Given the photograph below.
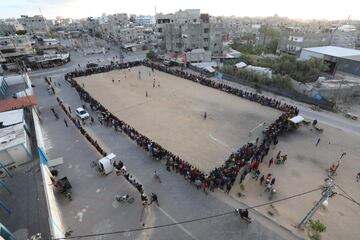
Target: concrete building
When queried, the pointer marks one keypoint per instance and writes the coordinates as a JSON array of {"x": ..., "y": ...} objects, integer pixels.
[
  {"x": 340, "y": 60},
  {"x": 15, "y": 46},
  {"x": 293, "y": 39},
  {"x": 35, "y": 24},
  {"x": 118, "y": 19},
  {"x": 344, "y": 36},
  {"x": 15, "y": 143},
  {"x": 6, "y": 28},
  {"x": 144, "y": 20},
  {"x": 186, "y": 30}
]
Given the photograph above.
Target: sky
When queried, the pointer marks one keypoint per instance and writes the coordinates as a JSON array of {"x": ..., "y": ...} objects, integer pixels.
[{"x": 300, "y": 9}]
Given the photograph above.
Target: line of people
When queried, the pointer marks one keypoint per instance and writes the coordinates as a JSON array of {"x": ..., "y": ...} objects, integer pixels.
[{"x": 244, "y": 160}]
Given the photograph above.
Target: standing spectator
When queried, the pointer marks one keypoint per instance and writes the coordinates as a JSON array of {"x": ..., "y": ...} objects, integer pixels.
[
  {"x": 271, "y": 162},
  {"x": 154, "y": 199},
  {"x": 272, "y": 181},
  {"x": 262, "y": 179}
]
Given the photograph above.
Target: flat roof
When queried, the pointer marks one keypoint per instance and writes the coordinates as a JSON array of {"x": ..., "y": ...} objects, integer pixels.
[
  {"x": 334, "y": 51},
  {"x": 12, "y": 136},
  {"x": 12, "y": 117}
]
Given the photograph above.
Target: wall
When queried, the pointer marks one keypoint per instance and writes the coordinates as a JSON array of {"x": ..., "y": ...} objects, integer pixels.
[
  {"x": 19, "y": 154},
  {"x": 5, "y": 158},
  {"x": 57, "y": 228}
]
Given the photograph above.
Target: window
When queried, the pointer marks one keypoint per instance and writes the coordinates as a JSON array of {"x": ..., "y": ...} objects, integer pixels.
[
  {"x": 206, "y": 39},
  {"x": 206, "y": 30}
]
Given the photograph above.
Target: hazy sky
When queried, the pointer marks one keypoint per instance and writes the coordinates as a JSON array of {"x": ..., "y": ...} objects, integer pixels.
[{"x": 305, "y": 9}]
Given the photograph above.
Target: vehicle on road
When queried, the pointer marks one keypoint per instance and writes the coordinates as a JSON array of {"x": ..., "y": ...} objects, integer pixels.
[
  {"x": 82, "y": 113},
  {"x": 124, "y": 198}
]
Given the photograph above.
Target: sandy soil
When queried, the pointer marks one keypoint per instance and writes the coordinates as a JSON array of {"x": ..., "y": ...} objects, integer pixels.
[
  {"x": 172, "y": 114},
  {"x": 305, "y": 169}
]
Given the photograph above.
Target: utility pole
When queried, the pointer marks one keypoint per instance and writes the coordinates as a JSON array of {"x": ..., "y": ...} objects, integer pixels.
[{"x": 327, "y": 193}]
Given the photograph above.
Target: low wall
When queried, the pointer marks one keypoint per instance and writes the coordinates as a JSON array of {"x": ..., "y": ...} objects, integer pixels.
[
  {"x": 323, "y": 103},
  {"x": 57, "y": 228}
]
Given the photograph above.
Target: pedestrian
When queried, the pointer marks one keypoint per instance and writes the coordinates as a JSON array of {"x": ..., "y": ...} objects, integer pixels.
[
  {"x": 144, "y": 199},
  {"x": 66, "y": 124},
  {"x": 112, "y": 80},
  {"x": 262, "y": 179},
  {"x": 284, "y": 158},
  {"x": 53, "y": 110},
  {"x": 358, "y": 177},
  {"x": 146, "y": 94},
  {"x": 92, "y": 120},
  {"x": 271, "y": 162},
  {"x": 268, "y": 187},
  {"x": 343, "y": 154},
  {"x": 83, "y": 85},
  {"x": 154, "y": 198},
  {"x": 317, "y": 143},
  {"x": 278, "y": 155},
  {"x": 205, "y": 116},
  {"x": 56, "y": 116},
  {"x": 69, "y": 109},
  {"x": 272, "y": 181},
  {"x": 228, "y": 188},
  {"x": 153, "y": 84}
]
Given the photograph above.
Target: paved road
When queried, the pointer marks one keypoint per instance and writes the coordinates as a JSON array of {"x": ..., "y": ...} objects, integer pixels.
[{"x": 179, "y": 200}]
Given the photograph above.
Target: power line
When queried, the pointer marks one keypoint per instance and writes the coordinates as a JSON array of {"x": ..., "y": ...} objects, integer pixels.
[
  {"x": 348, "y": 196},
  {"x": 185, "y": 221}
]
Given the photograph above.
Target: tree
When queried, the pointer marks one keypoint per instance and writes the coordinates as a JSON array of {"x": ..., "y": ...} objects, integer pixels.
[
  {"x": 151, "y": 54},
  {"x": 21, "y": 32},
  {"x": 316, "y": 228}
]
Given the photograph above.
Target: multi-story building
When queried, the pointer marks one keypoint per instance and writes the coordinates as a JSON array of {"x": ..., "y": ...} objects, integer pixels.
[
  {"x": 6, "y": 28},
  {"x": 344, "y": 36},
  {"x": 293, "y": 39},
  {"x": 35, "y": 24},
  {"x": 13, "y": 47},
  {"x": 118, "y": 19},
  {"x": 186, "y": 30},
  {"x": 144, "y": 20}
]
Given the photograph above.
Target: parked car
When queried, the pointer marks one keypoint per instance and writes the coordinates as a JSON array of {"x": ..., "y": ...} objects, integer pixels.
[{"x": 82, "y": 113}]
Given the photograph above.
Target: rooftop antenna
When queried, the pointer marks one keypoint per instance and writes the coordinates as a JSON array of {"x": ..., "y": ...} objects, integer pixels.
[{"x": 46, "y": 25}]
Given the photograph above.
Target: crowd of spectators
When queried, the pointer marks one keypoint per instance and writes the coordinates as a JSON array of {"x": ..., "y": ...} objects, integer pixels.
[{"x": 245, "y": 160}]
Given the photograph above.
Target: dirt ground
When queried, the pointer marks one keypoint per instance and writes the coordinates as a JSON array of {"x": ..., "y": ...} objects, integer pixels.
[
  {"x": 172, "y": 114},
  {"x": 305, "y": 169}
]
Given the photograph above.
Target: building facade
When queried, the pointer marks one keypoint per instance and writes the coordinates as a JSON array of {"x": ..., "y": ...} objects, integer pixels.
[
  {"x": 35, "y": 24},
  {"x": 293, "y": 39},
  {"x": 186, "y": 30},
  {"x": 13, "y": 47}
]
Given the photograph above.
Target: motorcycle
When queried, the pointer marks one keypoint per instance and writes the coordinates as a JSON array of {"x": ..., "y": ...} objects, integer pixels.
[
  {"x": 124, "y": 198},
  {"x": 244, "y": 214}
]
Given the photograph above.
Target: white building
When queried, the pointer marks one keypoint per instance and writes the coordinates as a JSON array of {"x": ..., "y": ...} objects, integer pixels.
[
  {"x": 15, "y": 143},
  {"x": 144, "y": 20}
]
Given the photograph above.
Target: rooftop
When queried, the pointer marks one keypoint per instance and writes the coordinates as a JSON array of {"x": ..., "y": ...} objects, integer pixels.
[{"x": 334, "y": 51}]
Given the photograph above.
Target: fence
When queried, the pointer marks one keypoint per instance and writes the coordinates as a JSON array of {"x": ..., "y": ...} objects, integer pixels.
[{"x": 323, "y": 103}]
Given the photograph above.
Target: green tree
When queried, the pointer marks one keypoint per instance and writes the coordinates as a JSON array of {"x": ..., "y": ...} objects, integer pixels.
[
  {"x": 316, "y": 228},
  {"x": 21, "y": 32},
  {"x": 151, "y": 54}
]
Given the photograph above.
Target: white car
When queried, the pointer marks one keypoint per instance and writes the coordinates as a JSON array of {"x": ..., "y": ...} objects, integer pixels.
[{"x": 82, "y": 113}]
